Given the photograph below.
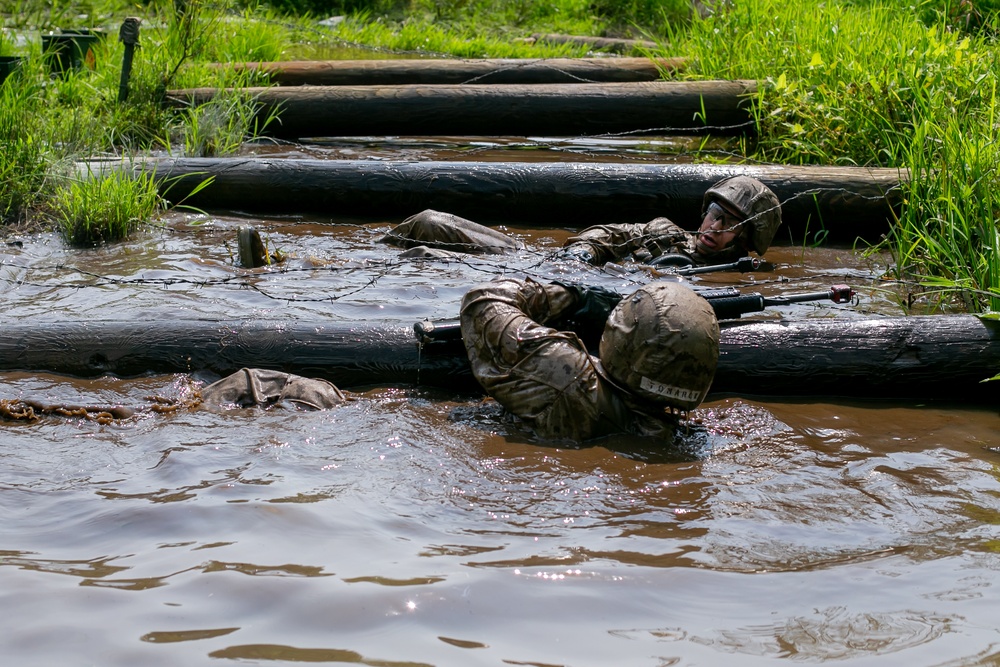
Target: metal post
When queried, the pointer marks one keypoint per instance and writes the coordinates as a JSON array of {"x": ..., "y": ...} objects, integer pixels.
[{"x": 129, "y": 35}]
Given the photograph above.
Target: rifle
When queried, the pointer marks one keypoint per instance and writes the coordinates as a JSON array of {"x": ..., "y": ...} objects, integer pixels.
[
  {"x": 681, "y": 265},
  {"x": 743, "y": 265},
  {"x": 727, "y": 302}
]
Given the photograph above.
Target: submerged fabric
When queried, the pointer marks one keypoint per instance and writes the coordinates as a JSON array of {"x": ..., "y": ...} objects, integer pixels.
[
  {"x": 254, "y": 386},
  {"x": 444, "y": 231}
]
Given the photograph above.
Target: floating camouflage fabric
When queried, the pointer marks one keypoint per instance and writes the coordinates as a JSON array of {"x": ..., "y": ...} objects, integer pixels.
[
  {"x": 443, "y": 231},
  {"x": 544, "y": 376},
  {"x": 255, "y": 386}
]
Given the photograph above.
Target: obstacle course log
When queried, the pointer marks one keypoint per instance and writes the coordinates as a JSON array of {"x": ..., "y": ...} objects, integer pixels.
[
  {"x": 556, "y": 109},
  {"x": 928, "y": 356},
  {"x": 924, "y": 357},
  {"x": 353, "y": 354},
  {"x": 602, "y": 43},
  {"x": 479, "y": 71},
  {"x": 851, "y": 202}
]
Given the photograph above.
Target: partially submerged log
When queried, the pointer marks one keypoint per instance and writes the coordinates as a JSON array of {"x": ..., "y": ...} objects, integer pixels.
[
  {"x": 477, "y": 71},
  {"x": 670, "y": 107},
  {"x": 920, "y": 357},
  {"x": 850, "y": 202}
]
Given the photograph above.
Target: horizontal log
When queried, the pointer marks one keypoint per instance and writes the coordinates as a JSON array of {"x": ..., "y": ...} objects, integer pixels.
[
  {"x": 396, "y": 72},
  {"x": 851, "y": 202},
  {"x": 617, "y": 45},
  {"x": 919, "y": 357},
  {"x": 556, "y": 109}
]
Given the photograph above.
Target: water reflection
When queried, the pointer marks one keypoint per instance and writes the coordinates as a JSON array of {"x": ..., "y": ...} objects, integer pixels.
[
  {"x": 295, "y": 654},
  {"x": 834, "y": 634},
  {"x": 340, "y": 271}
]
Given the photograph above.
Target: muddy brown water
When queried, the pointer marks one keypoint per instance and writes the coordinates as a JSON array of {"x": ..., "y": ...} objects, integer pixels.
[{"x": 415, "y": 526}]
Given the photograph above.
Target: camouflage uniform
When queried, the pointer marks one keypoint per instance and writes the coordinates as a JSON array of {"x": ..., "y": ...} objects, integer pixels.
[
  {"x": 434, "y": 234},
  {"x": 644, "y": 241},
  {"x": 255, "y": 386},
  {"x": 545, "y": 376},
  {"x": 746, "y": 198}
]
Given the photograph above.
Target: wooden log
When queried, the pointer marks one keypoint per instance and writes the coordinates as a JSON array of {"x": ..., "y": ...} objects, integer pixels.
[
  {"x": 920, "y": 357},
  {"x": 616, "y": 45},
  {"x": 931, "y": 356},
  {"x": 478, "y": 71},
  {"x": 851, "y": 202},
  {"x": 671, "y": 107},
  {"x": 352, "y": 354}
]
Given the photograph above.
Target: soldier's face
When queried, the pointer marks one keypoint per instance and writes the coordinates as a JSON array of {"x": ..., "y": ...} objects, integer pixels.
[{"x": 719, "y": 230}]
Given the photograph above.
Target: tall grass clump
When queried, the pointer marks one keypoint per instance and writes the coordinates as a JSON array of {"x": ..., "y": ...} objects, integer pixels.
[
  {"x": 24, "y": 153},
  {"x": 105, "y": 207},
  {"x": 49, "y": 122},
  {"x": 879, "y": 84},
  {"x": 841, "y": 83},
  {"x": 221, "y": 126},
  {"x": 947, "y": 241}
]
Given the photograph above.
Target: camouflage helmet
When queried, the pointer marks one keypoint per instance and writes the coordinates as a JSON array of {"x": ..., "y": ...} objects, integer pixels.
[
  {"x": 754, "y": 201},
  {"x": 661, "y": 343}
]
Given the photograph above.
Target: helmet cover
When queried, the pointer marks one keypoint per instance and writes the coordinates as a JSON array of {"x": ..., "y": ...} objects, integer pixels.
[
  {"x": 661, "y": 343},
  {"x": 752, "y": 200}
]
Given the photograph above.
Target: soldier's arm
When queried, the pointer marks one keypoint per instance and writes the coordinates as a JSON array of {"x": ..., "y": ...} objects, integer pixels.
[{"x": 612, "y": 243}]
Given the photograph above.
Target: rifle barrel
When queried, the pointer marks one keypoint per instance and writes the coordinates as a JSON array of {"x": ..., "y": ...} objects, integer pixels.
[
  {"x": 743, "y": 265},
  {"x": 727, "y": 302}
]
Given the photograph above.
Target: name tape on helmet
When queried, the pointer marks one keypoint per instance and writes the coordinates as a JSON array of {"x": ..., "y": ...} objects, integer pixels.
[{"x": 669, "y": 391}]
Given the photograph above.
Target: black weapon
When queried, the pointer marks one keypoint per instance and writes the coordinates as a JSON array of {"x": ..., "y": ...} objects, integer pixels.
[
  {"x": 430, "y": 331},
  {"x": 743, "y": 265},
  {"x": 682, "y": 265},
  {"x": 727, "y": 302}
]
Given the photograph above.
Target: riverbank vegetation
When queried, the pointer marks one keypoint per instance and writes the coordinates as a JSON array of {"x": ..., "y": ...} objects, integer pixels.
[{"x": 861, "y": 82}]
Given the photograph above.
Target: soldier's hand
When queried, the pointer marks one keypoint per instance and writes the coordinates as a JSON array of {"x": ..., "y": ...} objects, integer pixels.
[{"x": 593, "y": 306}]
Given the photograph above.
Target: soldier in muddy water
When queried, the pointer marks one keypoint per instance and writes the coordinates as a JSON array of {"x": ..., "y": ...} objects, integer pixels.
[{"x": 740, "y": 214}]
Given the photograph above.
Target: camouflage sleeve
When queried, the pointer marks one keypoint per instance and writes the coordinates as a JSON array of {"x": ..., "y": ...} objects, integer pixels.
[
  {"x": 613, "y": 243},
  {"x": 444, "y": 231},
  {"x": 543, "y": 376}
]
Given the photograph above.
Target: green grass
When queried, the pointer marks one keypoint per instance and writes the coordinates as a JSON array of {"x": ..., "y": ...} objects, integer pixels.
[
  {"x": 105, "y": 207},
  {"x": 47, "y": 122},
  {"x": 879, "y": 84},
  {"x": 23, "y": 147}
]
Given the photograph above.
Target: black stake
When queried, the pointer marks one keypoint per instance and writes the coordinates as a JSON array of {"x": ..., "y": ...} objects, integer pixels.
[{"x": 128, "y": 34}]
